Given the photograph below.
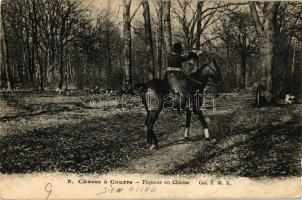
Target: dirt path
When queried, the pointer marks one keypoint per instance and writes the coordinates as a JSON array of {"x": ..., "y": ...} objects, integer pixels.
[
  {"x": 234, "y": 151},
  {"x": 174, "y": 150}
]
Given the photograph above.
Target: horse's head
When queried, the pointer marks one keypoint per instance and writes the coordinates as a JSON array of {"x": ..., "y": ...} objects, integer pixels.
[
  {"x": 214, "y": 73},
  {"x": 210, "y": 73}
]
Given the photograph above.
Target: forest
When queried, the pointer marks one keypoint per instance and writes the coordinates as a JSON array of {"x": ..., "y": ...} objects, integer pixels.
[
  {"x": 61, "y": 60},
  {"x": 65, "y": 44}
]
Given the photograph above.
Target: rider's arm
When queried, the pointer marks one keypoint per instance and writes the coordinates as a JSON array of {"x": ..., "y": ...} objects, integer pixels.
[{"x": 187, "y": 57}]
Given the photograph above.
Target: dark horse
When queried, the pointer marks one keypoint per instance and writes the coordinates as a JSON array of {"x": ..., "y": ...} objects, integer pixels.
[{"x": 157, "y": 94}]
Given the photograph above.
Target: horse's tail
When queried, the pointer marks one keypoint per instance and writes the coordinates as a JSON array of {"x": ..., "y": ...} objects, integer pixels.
[{"x": 140, "y": 88}]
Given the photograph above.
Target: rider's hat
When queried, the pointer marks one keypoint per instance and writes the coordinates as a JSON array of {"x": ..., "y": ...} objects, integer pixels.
[{"x": 177, "y": 47}]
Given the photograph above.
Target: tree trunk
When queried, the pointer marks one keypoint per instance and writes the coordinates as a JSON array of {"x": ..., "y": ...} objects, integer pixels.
[
  {"x": 293, "y": 62},
  {"x": 109, "y": 61},
  {"x": 2, "y": 67},
  {"x": 267, "y": 56},
  {"x": 243, "y": 61},
  {"x": 265, "y": 27},
  {"x": 167, "y": 34},
  {"x": 61, "y": 60},
  {"x": 61, "y": 54},
  {"x": 149, "y": 41},
  {"x": 198, "y": 23},
  {"x": 238, "y": 75},
  {"x": 243, "y": 71},
  {"x": 127, "y": 82},
  {"x": 41, "y": 71},
  {"x": 297, "y": 69},
  {"x": 33, "y": 57},
  {"x": 4, "y": 54},
  {"x": 108, "y": 48},
  {"x": 298, "y": 73},
  {"x": 66, "y": 72},
  {"x": 160, "y": 40},
  {"x": 30, "y": 69},
  {"x": 36, "y": 47}
]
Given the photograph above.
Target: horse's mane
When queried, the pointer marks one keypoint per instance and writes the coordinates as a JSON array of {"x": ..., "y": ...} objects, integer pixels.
[
  {"x": 197, "y": 72},
  {"x": 210, "y": 60}
]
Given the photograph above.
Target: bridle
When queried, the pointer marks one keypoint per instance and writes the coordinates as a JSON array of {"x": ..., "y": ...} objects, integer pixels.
[
  {"x": 209, "y": 83},
  {"x": 215, "y": 71}
]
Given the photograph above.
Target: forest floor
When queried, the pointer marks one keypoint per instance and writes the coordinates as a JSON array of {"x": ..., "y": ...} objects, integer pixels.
[{"x": 48, "y": 132}]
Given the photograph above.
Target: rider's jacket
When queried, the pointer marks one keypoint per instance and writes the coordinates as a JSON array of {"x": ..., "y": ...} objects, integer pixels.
[
  {"x": 176, "y": 78},
  {"x": 175, "y": 61}
]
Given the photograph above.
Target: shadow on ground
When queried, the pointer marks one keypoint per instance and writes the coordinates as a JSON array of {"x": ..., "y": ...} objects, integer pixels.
[
  {"x": 96, "y": 145},
  {"x": 250, "y": 142},
  {"x": 269, "y": 148}
]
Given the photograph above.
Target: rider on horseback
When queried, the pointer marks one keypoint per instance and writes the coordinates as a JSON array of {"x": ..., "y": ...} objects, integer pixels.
[
  {"x": 155, "y": 93},
  {"x": 180, "y": 83},
  {"x": 176, "y": 78}
]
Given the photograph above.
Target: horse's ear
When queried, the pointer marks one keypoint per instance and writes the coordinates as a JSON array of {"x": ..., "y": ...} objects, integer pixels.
[
  {"x": 215, "y": 63},
  {"x": 211, "y": 59},
  {"x": 193, "y": 55}
]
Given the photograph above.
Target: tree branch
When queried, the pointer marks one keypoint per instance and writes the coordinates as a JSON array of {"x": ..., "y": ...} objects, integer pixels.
[
  {"x": 135, "y": 11},
  {"x": 255, "y": 17}
]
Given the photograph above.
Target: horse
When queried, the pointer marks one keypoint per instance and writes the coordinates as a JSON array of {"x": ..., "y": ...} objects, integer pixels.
[{"x": 157, "y": 94}]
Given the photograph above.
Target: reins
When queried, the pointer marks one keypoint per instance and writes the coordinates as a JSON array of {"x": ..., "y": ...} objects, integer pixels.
[
  {"x": 198, "y": 82},
  {"x": 201, "y": 83}
]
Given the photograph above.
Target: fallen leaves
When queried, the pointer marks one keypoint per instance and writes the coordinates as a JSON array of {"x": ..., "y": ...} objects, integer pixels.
[{"x": 64, "y": 136}]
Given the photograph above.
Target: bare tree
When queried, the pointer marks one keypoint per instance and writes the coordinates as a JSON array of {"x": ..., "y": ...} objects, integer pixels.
[
  {"x": 198, "y": 23},
  {"x": 288, "y": 27},
  {"x": 195, "y": 19},
  {"x": 149, "y": 41},
  {"x": 158, "y": 23},
  {"x": 238, "y": 33},
  {"x": 127, "y": 81},
  {"x": 108, "y": 46},
  {"x": 265, "y": 18},
  {"x": 4, "y": 62},
  {"x": 55, "y": 43},
  {"x": 160, "y": 40},
  {"x": 167, "y": 34}
]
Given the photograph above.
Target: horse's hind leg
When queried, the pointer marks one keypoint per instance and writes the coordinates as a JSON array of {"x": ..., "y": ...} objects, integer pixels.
[
  {"x": 203, "y": 122},
  {"x": 147, "y": 118},
  {"x": 188, "y": 123},
  {"x": 151, "y": 136}
]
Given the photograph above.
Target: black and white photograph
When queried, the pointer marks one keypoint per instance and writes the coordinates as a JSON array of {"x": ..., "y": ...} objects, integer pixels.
[{"x": 150, "y": 99}]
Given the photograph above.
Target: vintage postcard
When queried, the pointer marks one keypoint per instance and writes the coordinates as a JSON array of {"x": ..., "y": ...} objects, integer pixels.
[{"x": 150, "y": 99}]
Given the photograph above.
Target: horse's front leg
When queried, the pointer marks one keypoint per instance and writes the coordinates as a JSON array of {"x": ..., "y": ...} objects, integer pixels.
[
  {"x": 147, "y": 122},
  {"x": 147, "y": 118},
  {"x": 188, "y": 123},
  {"x": 203, "y": 122}
]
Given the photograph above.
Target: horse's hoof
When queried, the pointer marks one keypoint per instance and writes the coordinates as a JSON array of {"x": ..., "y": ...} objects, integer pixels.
[
  {"x": 153, "y": 147},
  {"x": 187, "y": 140},
  {"x": 212, "y": 141}
]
